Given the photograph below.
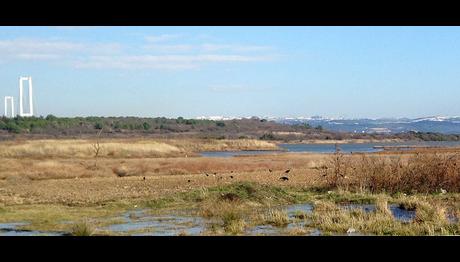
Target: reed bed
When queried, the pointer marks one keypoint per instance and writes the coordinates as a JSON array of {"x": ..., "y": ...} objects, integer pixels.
[
  {"x": 123, "y": 148},
  {"x": 415, "y": 173}
]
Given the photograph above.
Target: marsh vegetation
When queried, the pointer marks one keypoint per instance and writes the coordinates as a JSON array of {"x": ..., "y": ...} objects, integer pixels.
[{"x": 52, "y": 186}]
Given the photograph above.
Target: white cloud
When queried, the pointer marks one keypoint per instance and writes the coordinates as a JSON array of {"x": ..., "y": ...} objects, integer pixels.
[
  {"x": 169, "y": 48},
  {"x": 163, "y": 61},
  {"x": 26, "y": 56},
  {"x": 153, "y": 55},
  {"x": 235, "y": 48},
  {"x": 161, "y": 38},
  {"x": 37, "y": 45},
  {"x": 46, "y": 49}
]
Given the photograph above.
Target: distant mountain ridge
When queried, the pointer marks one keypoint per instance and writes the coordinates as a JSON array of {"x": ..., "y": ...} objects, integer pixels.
[{"x": 437, "y": 124}]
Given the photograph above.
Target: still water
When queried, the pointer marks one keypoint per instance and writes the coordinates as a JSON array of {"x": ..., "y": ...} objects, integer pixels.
[{"x": 330, "y": 148}]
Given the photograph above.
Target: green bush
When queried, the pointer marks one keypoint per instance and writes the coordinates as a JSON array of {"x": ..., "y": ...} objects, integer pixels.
[
  {"x": 98, "y": 125},
  {"x": 268, "y": 136},
  {"x": 146, "y": 126},
  {"x": 13, "y": 128}
]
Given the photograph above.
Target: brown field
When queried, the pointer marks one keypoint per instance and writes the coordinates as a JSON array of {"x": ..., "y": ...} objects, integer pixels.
[{"x": 66, "y": 173}]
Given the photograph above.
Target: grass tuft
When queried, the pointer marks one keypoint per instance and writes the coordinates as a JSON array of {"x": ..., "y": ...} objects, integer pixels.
[
  {"x": 82, "y": 229},
  {"x": 276, "y": 217}
]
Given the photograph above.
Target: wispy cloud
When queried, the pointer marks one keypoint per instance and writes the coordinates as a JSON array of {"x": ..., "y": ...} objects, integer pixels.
[
  {"x": 162, "y": 37},
  {"x": 163, "y": 61},
  {"x": 235, "y": 88},
  {"x": 235, "y": 48},
  {"x": 208, "y": 48},
  {"x": 46, "y": 49},
  {"x": 26, "y": 56},
  {"x": 155, "y": 53},
  {"x": 169, "y": 48}
]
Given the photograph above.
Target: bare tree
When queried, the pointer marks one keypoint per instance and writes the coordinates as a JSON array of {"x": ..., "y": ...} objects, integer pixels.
[{"x": 96, "y": 148}]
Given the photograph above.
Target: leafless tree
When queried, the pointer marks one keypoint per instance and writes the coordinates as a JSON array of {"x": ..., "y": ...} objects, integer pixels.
[{"x": 96, "y": 148}]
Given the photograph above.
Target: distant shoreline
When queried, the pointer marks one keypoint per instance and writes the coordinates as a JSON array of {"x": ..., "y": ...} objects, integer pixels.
[{"x": 346, "y": 141}]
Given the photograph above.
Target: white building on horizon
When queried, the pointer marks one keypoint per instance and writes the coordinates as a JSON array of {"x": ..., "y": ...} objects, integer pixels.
[
  {"x": 21, "y": 97},
  {"x": 10, "y": 99}
]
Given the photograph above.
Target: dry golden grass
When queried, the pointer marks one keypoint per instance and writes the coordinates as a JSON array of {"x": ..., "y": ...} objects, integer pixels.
[
  {"x": 124, "y": 148},
  {"x": 69, "y": 179},
  {"x": 409, "y": 173},
  {"x": 276, "y": 217}
]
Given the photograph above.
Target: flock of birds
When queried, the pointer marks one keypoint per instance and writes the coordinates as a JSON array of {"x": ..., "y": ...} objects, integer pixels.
[{"x": 283, "y": 178}]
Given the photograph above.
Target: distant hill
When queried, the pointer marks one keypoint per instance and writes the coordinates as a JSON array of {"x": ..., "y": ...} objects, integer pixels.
[{"x": 252, "y": 128}]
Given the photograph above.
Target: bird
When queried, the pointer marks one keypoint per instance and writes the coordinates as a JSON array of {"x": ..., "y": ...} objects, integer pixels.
[
  {"x": 287, "y": 171},
  {"x": 144, "y": 178},
  {"x": 443, "y": 191},
  {"x": 189, "y": 180},
  {"x": 284, "y": 178},
  {"x": 269, "y": 170},
  {"x": 206, "y": 174},
  {"x": 231, "y": 177}
]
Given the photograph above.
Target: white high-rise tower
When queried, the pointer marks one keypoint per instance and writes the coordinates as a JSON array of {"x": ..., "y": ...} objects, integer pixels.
[
  {"x": 21, "y": 94},
  {"x": 11, "y": 99}
]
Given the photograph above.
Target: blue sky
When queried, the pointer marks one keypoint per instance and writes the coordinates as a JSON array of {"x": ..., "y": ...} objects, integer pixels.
[{"x": 235, "y": 71}]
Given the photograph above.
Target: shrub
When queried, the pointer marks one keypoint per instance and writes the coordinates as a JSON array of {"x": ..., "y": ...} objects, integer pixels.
[
  {"x": 13, "y": 128},
  {"x": 98, "y": 125},
  {"x": 268, "y": 136},
  {"x": 82, "y": 229},
  {"x": 146, "y": 126}
]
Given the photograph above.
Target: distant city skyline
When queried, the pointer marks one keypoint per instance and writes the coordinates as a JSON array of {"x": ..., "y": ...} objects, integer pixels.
[{"x": 348, "y": 72}]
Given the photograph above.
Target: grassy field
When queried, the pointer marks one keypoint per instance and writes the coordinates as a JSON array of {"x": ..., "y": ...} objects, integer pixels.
[{"x": 46, "y": 182}]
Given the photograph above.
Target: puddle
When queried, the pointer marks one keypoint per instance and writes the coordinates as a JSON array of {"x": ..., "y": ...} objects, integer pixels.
[
  {"x": 10, "y": 229},
  {"x": 170, "y": 225},
  {"x": 402, "y": 214},
  {"x": 264, "y": 230},
  {"x": 452, "y": 218},
  {"x": 292, "y": 210},
  {"x": 398, "y": 213},
  {"x": 142, "y": 223},
  {"x": 158, "y": 225}
]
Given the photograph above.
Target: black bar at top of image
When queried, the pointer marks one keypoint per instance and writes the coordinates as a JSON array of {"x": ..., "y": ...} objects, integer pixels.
[{"x": 224, "y": 13}]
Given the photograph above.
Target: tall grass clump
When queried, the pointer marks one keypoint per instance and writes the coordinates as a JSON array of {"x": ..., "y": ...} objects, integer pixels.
[
  {"x": 276, "y": 217},
  {"x": 82, "y": 229},
  {"x": 418, "y": 173}
]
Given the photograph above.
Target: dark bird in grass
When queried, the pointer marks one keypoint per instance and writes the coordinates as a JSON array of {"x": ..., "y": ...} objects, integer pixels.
[
  {"x": 284, "y": 178},
  {"x": 144, "y": 178},
  {"x": 215, "y": 173},
  {"x": 188, "y": 180},
  {"x": 287, "y": 171},
  {"x": 269, "y": 170},
  {"x": 206, "y": 174},
  {"x": 231, "y": 177}
]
